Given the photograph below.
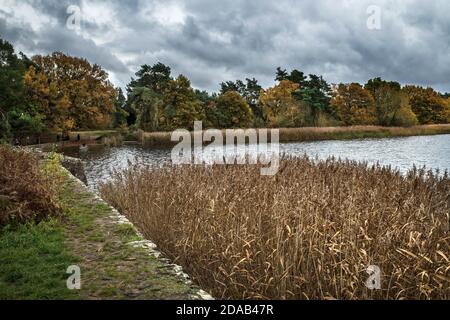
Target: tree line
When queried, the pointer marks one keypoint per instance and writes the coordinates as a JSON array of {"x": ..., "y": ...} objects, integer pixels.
[{"x": 58, "y": 93}]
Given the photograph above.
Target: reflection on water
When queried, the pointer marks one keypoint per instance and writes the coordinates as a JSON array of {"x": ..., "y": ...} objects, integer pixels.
[
  {"x": 100, "y": 162},
  {"x": 402, "y": 153}
]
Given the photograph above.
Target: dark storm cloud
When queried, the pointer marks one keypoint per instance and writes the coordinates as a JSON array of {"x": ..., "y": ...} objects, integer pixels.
[
  {"x": 213, "y": 41},
  {"x": 69, "y": 42},
  {"x": 55, "y": 37}
]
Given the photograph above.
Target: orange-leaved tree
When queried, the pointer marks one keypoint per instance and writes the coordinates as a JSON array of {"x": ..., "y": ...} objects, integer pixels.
[
  {"x": 181, "y": 105},
  {"x": 70, "y": 92},
  {"x": 353, "y": 105},
  {"x": 429, "y": 106},
  {"x": 279, "y": 107},
  {"x": 231, "y": 110}
]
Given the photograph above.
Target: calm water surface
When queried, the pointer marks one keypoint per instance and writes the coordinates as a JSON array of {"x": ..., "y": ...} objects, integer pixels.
[{"x": 400, "y": 153}]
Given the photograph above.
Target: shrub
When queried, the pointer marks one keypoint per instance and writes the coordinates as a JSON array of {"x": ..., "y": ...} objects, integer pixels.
[
  {"x": 27, "y": 192},
  {"x": 310, "y": 232}
]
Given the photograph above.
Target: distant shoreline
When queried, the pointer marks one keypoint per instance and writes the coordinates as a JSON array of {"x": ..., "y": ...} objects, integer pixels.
[{"x": 308, "y": 134}]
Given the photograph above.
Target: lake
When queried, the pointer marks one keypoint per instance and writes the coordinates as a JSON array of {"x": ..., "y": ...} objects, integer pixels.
[{"x": 400, "y": 153}]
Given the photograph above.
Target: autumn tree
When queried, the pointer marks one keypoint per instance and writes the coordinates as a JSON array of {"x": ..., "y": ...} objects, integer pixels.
[
  {"x": 250, "y": 91},
  {"x": 70, "y": 92},
  {"x": 404, "y": 116},
  {"x": 354, "y": 105},
  {"x": 279, "y": 106},
  {"x": 181, "y": 105},
  {"x": 388, "y": 99},
  {"x": 314, "y": 91},
  {"x": 447, "y": 111},
  {"x": 427, "y": 104},
  {"x": 231, "y": 111}
]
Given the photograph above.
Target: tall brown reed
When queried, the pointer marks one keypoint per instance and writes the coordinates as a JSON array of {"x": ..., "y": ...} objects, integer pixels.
[
  {"x": 310, "y": 232},
  {"x": 27, "y": 189}
]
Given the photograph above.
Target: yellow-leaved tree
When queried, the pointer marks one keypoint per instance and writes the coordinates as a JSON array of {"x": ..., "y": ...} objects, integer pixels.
[
  {"x": 447, "y": 110},
  {"x": 70, "y": 92},
  {"x": 354, "y": 105},
  {"x": 429, "y": 106},
  {"x": 279, "y": 107},
  {"x": 181, "y": 106}
]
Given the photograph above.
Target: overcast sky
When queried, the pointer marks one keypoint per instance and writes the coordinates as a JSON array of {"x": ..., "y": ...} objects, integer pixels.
[{"x": 212, "y": 41}]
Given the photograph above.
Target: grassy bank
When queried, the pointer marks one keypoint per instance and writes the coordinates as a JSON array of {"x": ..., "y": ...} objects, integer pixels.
[
  {"x": 33, "y": 262},
  {"x": 36, "y": 248},
  {"x": 310, "y": 232},
  {"x": 324, "y": 133}
]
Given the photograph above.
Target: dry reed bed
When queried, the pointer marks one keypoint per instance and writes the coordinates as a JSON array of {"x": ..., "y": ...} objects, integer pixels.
[
  {"x": 319, "y": 133},
  {"x": 307, "y": 233},
  {"x": 355, "y": 132}
]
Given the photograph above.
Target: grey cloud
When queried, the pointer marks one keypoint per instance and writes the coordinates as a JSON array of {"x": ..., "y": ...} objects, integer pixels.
[{"x": 69, "y": 42}]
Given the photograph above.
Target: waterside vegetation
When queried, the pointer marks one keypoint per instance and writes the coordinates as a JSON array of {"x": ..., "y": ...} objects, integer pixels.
[{"x": 309, "y": 232}]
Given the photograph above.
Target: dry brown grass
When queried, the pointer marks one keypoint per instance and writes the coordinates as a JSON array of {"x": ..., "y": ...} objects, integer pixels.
[
  {"x": 321, "y": 133},
  {"x": 155, "y": 139},
  {"x": 27, "y": 191},
  {"x": 357, "y": 132},
  {"x": 309, "y": 232}
]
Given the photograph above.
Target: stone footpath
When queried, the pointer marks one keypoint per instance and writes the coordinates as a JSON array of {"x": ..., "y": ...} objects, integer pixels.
[{"x": 116, "y": 262}]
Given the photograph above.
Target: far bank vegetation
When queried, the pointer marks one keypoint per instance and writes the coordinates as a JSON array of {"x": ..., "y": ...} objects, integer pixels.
[{"x": 61, "y": 93}]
